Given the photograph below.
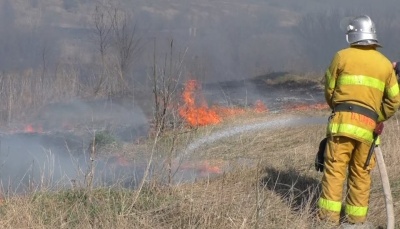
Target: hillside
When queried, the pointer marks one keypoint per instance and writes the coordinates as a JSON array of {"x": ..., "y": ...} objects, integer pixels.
[
  {"x": 225, "y": 33},
  {"x": 225, "y": 40}
]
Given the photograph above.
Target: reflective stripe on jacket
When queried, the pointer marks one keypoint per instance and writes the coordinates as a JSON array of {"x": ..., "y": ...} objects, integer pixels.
[{"x": 363, "y": 76}]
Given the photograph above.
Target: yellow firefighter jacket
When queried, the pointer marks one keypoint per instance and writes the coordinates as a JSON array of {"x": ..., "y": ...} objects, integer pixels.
[{"x": 362, "y": 76}]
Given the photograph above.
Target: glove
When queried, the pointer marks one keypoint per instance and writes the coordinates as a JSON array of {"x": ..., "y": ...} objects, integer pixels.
[
  {"x": 379, "y": 128},
  {"x": 319, "y": 158}
]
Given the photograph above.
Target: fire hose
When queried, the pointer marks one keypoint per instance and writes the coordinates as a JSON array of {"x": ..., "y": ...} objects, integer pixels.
[
  {"x": 386, "y": 187},
  {"x": 384, "y": 176}
]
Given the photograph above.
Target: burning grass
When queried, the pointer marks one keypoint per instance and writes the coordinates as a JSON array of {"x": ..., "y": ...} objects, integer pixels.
[
  {"x": 267, "y": 181},
  {"x": 196, "y": 112}
]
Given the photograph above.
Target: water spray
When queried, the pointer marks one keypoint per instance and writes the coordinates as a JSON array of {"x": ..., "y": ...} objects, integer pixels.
[{"x": 290, "y": 122}]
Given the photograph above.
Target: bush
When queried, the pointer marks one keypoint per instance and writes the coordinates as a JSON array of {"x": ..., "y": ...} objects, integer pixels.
[{"x": 104, "y": 138}]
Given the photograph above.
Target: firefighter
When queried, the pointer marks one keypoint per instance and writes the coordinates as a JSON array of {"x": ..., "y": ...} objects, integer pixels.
[{"x": 362, "y": 91}]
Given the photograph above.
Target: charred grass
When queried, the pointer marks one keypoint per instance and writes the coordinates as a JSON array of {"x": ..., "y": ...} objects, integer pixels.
[{"x": 268, "y": 181}]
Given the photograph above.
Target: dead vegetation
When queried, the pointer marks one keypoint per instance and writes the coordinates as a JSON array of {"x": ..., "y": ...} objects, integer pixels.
[
  {"x": 268, "y": 182},
  {"x": 262, "y": 178}
]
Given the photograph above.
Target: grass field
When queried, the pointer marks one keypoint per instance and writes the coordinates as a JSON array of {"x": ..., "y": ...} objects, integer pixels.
[{"x": 266, "y": 179}]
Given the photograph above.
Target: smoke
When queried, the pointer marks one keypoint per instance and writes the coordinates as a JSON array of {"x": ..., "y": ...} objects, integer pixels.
[
  {"x": 226, "y": 40},
  {"x": 59, "y": 154},
  {"x": 120, "y": 118},
  {"x": 30, "y": 162},
  {"x": 246, "y": 93}
]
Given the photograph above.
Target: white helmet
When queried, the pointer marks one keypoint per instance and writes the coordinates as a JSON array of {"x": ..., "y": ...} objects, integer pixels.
[{"x": 361, "y": 31}]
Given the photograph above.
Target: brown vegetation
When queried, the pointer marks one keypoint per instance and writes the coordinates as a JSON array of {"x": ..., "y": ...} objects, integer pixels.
[
  {"x": 259, "y": 179},
  {"x": 268, "y": 182}
]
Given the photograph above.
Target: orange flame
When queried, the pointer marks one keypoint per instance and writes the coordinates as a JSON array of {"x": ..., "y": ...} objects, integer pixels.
[
  {"x": 203, "y": 168},
  {"x": 206, "y": 168},
  {"x": 201, "y": 115},
  {"x": 260, "y": 107},
  {"x": 197, "y": 112},
  {"x": 196, "y": 116},
  {"x": 30, "y": 129}
]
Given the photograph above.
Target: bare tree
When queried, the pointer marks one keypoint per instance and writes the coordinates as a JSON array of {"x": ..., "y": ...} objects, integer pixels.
[
  {"x": 103, "y": 33},
  {"x": 125, "y": 40},
  {"x": 118, "y": 43},
  {"x": 165, "y": 80},
  {"x": 319, "y": 36}
]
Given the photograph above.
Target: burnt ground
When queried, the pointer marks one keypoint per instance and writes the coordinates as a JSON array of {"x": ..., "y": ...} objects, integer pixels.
[{"x": 275, "y": 94}]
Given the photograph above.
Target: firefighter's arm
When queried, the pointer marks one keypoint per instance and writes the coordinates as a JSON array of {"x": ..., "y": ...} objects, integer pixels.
[
  {"x": 330, "y": 80},
  {"x": 391, "y": 98}
]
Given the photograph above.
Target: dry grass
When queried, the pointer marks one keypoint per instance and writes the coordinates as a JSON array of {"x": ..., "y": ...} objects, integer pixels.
[
  {"x": 269, "y": 182},
  {"x": 291, "y": 79}
]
